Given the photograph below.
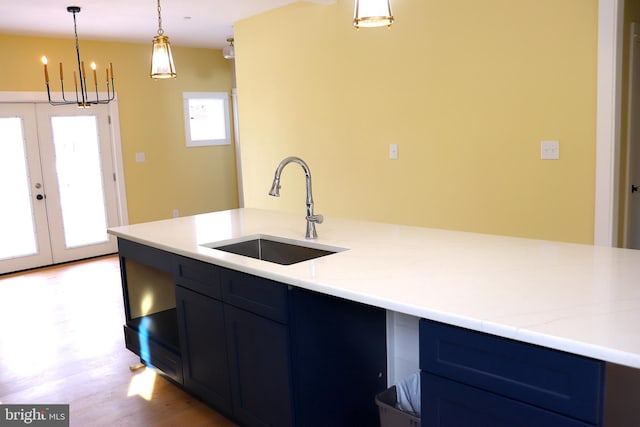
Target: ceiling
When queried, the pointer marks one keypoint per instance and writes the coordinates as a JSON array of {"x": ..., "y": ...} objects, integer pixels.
[{"x": 193, "y": 23}]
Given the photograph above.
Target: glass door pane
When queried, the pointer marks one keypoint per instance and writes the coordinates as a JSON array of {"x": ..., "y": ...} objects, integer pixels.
[
  {"x": 79, "y": 176},
  {"x": 75, "y": 145},
  {"x": 24, "y": 230},
  {"x": 17, "y": 227}
]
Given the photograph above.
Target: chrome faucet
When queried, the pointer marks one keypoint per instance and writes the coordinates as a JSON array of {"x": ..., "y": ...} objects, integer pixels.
[{"x": 311, "y": 218}]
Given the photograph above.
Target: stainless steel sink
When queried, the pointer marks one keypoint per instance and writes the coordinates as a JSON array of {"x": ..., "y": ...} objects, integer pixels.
[{"x": 277, "y": 251}]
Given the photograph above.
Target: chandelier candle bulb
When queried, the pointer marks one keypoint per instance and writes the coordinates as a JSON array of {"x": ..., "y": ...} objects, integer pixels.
[
  {"x": 46, "y": 71},
  {"x": 95, "y": 76}
]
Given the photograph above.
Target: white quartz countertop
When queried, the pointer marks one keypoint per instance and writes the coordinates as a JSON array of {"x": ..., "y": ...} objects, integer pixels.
[{"x": 578, "y": 298}]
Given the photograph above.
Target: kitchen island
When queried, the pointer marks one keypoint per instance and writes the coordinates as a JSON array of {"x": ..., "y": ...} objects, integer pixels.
[{"x": 579, "y": 299}]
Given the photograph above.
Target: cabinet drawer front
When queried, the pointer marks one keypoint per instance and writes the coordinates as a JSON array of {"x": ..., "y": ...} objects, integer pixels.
[
  {"x": 154, "y": 354},
  {"x": 559, "y": 381},
  {"x": 447, "y": 403},
  {"x": 198, "y": 276},
  {"x": 255, "y": 294}
]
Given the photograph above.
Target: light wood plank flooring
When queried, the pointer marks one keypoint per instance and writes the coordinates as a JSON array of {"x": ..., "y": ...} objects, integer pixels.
[{"x": 61, "y": 341}]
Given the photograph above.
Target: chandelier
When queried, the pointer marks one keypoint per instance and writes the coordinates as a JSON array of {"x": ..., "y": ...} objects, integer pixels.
[{"x": 80, "y": 79}]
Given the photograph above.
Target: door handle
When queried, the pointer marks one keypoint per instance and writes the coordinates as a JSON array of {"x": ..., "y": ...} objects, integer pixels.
[
  {"x": 634, "y": 188},
  {"x": 40, "y": 197}
]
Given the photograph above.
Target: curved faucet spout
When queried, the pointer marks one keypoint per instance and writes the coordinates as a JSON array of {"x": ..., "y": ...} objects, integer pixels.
[{"x": 311, "y": 218}]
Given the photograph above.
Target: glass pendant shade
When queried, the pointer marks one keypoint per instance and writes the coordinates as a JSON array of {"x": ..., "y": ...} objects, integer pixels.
[
  {"x": 372, "y": 13},
  {"x": 162, "y": 66},
  {"x": 228, "y": 52}
]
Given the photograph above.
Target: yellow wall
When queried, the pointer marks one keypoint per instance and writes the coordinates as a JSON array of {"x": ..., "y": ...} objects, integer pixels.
[
  {"x": 192, "y": 180},
  {"x": 467, "y": 89}
]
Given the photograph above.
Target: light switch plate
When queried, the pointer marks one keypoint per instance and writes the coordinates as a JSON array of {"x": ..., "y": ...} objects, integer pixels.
[
  {"x": 393, "y": 151},
  {"x": 140, "y": 157}
]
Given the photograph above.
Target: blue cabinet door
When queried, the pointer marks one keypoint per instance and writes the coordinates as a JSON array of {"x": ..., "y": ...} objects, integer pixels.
[
  {"x": 339, "y": 360},
  {"x": 204, "y": 348},
  {"x": 446, "y": 403},
  {"x": 259, "y": 367}
]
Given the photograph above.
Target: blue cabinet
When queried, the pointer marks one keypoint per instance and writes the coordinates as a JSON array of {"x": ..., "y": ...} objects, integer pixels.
[
  {"x": 339, "y": 360},
  {"x": 202, "y": 332},
  {"x": 151, "y": 328},
  {"x": 261, "y": 352},
  {"x": 256, "y": 314},
  {"x": 299, "y": 358},
  {"x": 473, "y": 378}
]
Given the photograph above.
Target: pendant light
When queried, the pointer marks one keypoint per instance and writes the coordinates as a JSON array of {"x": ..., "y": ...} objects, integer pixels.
[
  {"x": 81, "y": 89},
  {"x": 162, "y": 66},
  {"x": 372, "y": 13},
  {"x": 229, "y": 52}
]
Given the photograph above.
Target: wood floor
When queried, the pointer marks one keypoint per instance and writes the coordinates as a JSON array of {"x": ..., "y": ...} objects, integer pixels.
[{"x": 61, "y": 341}]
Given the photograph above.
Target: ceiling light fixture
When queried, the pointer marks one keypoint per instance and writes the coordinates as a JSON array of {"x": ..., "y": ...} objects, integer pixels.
[
  {"x": 82, "y": 95},
  {"x": 229, "y": 52},
  {"x": 162, "y": 66},
  {"x": 372, "y": 13}
]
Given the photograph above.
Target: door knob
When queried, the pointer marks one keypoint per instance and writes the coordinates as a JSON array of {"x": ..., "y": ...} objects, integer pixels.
[
  {"x": 39, "y": 197},
  {"x": 634, "y": 188}
]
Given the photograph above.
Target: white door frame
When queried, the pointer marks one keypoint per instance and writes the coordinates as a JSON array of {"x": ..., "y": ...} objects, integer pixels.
[
  {"x": 116, "y": 147},
  {"x": 610, "y": 28}
]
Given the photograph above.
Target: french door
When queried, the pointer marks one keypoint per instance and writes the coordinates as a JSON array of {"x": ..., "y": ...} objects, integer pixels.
[{"x": 57, "y": 185}]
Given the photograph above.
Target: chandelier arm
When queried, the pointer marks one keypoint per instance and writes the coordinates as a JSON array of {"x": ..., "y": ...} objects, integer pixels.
[
  {"x": 64, "y": 99},
  {"x": 111, "y": 95},
  {"x": 49, "y": 92}
]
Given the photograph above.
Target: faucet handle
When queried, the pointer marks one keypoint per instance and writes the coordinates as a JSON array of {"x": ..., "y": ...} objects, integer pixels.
[{"x": 318, "y": 218}]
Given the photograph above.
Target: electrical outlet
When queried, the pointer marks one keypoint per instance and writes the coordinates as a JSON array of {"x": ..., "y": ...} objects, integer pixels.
[
  {"x": 549, "y": 150},
  {"x": 176, "y": 213}
]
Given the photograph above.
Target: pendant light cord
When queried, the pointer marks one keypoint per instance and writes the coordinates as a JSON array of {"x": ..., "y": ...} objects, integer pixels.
[{"x": 160, "y": 30}]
